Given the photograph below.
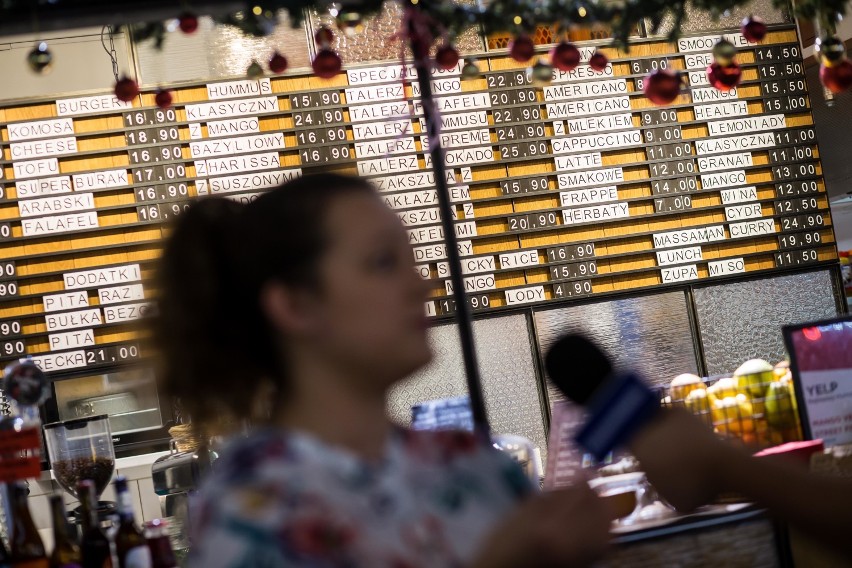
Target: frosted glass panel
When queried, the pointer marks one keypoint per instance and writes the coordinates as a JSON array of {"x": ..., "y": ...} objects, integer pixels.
[
  {"x": 508, "y": 375},
  {"x": 377, "y": 41},
  {"x": 651, "y": 334},
  {"x": 218, "y": 51},
  {"x": 743, "y": 320}
]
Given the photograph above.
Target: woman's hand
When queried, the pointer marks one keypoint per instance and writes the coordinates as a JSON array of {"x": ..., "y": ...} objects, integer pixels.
[{"x": 568, "y": 527}]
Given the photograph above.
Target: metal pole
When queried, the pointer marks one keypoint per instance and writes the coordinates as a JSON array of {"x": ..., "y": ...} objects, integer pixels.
[{"x": 420, "y": 50}]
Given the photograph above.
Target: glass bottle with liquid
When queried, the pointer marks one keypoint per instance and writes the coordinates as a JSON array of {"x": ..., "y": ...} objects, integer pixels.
[
  {"x": 66, "y": 552},
  {"x": 162, "y": 555},
  {"x": 27, "y": 548},
  {"x": 94, "y": 545},
  {"x": 131, "y": 548}
]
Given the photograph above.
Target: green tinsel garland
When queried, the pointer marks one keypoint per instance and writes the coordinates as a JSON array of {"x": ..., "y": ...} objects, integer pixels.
[{"x": 514, "y": 16}]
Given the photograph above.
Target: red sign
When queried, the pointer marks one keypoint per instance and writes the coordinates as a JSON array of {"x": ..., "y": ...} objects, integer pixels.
[
  {"x": 13, "y": 469},
  {"x": 19, "y": 441}
]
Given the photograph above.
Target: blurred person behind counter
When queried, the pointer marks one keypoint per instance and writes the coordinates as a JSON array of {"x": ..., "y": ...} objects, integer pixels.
[{"x": 298, "y": 312}]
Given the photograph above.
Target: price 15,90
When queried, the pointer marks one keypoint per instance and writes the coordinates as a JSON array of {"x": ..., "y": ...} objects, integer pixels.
[
  {"x": 573, "y": 270},
  {"x": 524, "y": 185}
]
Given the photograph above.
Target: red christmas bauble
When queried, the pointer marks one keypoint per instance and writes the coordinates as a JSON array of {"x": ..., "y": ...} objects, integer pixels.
[
  {"x": 447, "y": 57},
  {"x": 277, "y": 63},
  {"x": 188, "y": 22},
  {"x": 324, "y": 37},
  {"x": 724, "y": 77},
  {"x": 598, "y": 61},
  {"x": 522, "y": 48},
  {"x": 163, "y": 98},
  {"x": 327, "y": 64},
  {"x": 754, "y": 29},
  {"x": 565, "y": 56},
  {"x": 126, "y": 89},
  {"x": 662, "y": 86},
  {"x": 838, "y": 77}
]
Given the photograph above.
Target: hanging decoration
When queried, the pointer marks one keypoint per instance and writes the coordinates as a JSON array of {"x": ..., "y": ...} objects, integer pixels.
[
  {"x": 188, "y": 22},
  {"x": 447, "y": 56},
  {"x": 350, "y": 23},
  {"x": 663, "y": 86},
  {"x": 522, "y": 48},
  {"x": 598, "y": 61},
  {"x": 254, "y": 70},
  {"x": 565, "y": 56},
  {"x": 724, "y": 73},
  {"x": 443, "y": 19},
  {"x": 753, "y": 29},
  {"x": 277, "y": 63},
  {"x": 327, "y": 62},
  {"x": 470, "y": 70},
  {"x": 126, "y": 89},
  {"x": 163, "y": 98},
  {"x": 835, "y": 70},
  {"x": 540, "y": 74},
  {"x": 40, "y": 59}
]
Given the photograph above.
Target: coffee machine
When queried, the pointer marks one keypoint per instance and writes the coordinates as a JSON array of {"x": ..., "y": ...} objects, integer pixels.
[{"x": 176, "y": 477}]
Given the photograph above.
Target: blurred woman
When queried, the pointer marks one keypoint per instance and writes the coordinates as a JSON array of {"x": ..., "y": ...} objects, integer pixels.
[{"x": 297, "y": 313}]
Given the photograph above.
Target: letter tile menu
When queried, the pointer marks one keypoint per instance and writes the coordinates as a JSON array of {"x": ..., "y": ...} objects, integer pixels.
[{"x": 573, "y": 189}]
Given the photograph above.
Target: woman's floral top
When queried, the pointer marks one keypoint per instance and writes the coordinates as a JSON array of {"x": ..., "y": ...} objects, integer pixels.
[{"x": 284, "y": 500}]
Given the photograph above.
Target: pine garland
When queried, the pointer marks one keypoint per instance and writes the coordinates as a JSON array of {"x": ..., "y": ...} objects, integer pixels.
[{"x": 450, "y": 19}]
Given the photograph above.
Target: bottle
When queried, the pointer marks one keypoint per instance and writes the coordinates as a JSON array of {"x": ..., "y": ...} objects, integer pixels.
[
  {"x": 131, "y": 548},
  {"x": 162, "y": 555},
  {"x": 5, "y": 560},
  {"x": 66, "y": 553},
  {"x": 27, "y": 547},
  {"x": 94, "y": 545}
]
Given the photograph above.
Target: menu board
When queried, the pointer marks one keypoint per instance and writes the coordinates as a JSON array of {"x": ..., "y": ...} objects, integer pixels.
[{"x": 577, "y": 188}]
